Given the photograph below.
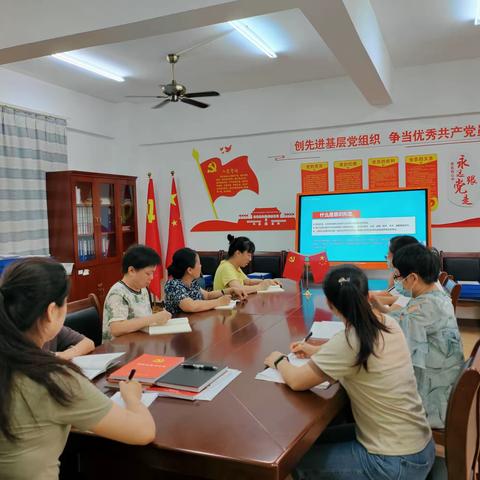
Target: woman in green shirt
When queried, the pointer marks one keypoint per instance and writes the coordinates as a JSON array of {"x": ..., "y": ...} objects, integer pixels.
[
  {"x": 229, "y": 273},
  {"x": 43, "y": 395}
]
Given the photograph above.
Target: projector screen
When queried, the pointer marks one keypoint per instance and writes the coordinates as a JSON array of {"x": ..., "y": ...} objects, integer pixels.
[{"x": 357, "y": 226}]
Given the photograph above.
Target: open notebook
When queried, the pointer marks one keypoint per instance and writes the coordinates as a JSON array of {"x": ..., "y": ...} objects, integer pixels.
[
  {"x": 95, "y": 364},
  {"x": 174, "y": 325}
]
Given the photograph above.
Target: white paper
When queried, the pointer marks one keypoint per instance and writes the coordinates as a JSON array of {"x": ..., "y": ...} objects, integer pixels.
[
  {"x": 326, "y": 329},
  {"x": 95, "y": 364},
  {"x": 273, "y": 375},
  {"x": 218, "y": 385},
  {"x": 147, "y": 398},
  {"x": 230, "y": 306},
  {"x": 468, "y": 282},
  {"x": 272, "y": 289},
  {"x": 174, "y": 325},
  {"x": 401, "y": 301}
]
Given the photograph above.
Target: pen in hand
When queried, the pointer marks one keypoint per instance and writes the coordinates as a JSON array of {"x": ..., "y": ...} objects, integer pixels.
[
  {"x": 131, "y": 374},
  {"x": 307, "y": 337}
]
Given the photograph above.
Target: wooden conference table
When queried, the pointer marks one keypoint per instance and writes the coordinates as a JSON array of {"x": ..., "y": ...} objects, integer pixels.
[{"x": 253, "y": 429}]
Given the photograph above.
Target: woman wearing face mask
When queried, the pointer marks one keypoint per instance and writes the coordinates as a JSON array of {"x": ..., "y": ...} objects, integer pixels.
[
  {"x": 430, "y": 326},
  {"x": 229, "y": 273}
]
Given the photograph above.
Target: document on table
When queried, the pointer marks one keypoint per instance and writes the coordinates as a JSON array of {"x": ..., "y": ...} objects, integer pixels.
[
  {"x": 272, "y": 289},
  {"x": 230, "y": 306},
  {"x": 273, "y": 375},
  {"x": 218, "y": 385},
  {"x": 147, "y": 398},
  {"x": 326, "y": 329}
]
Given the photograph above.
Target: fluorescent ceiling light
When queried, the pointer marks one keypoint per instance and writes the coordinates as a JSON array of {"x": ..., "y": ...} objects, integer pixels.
[
  {"x": 65, "y": 57},
  {"x": 477, "y": 13},
  {"x": 253, "y": 38}
]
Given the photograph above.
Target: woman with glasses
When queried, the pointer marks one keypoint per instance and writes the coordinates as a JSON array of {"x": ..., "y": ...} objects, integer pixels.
[{"x": 430, "y": 326}]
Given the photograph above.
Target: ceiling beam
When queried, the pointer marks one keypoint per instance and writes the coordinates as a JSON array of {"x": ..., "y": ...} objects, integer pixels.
[
  {"x": 185, "y": 20},
  {"x": 350, "y": 29}
]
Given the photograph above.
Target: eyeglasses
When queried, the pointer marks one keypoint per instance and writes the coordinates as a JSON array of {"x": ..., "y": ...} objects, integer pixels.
[{"x": 396, "y": 276}]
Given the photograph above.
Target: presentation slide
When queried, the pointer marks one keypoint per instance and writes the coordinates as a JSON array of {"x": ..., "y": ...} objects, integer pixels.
[{"x": 356, "y": 227}]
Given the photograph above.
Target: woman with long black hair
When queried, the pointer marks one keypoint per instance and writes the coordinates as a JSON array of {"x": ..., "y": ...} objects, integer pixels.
[
  {"x": 43, "y": 395},
  {"x": 371, "y": 360}
]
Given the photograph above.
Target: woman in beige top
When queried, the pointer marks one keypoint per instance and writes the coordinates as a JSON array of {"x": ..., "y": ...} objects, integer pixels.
[
  {"x": 372, "y": 362},
  {"x": 43, "y": 395}
]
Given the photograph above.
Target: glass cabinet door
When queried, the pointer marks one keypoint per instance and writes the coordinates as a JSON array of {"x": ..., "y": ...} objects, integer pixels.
[
  {"x": 127, "y": 205},
  {"x": 108, "y": 236},
  {"x": 85, "y": 221}
]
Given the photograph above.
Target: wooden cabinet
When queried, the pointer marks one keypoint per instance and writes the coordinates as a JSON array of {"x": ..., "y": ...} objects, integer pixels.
[{"x": 92, "y": 220}]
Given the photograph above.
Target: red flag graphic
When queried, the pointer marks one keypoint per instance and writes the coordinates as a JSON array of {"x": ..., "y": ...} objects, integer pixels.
[
  {"x": 152, "y": 239},
  {"x": 294, "y": 266},
  {"x": 175, "y": 228},
  {"x": 229, "y": 179},
  {"x": 319, "y": 265}
]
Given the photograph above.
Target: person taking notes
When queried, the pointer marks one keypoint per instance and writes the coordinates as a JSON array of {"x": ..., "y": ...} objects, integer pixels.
[
  {"x": 230, "y": 274},
  {"x": 371, "y": 360},
  {"x": 43, "y": 395},
  {"x": 127, "y": 306},
  {"x": 182, "y": 291}
]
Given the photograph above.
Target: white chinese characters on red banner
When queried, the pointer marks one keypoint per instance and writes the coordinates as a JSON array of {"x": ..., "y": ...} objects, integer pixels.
[{"x": 464, "y": 186}]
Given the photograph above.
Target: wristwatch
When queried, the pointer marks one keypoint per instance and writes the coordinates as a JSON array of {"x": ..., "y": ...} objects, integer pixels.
[{"x": 279, "y": 359}]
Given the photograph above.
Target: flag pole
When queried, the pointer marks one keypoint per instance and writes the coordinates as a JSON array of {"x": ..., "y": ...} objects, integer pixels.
[
  {"x": 307, "y": 290},
  {"x": 195, "y": 155}
]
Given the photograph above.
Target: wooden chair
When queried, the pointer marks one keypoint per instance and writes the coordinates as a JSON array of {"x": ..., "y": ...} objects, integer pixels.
[
  {"x": 461, "y": 436},
  {"x": 453, "y": 289},
  {"x": 442, "y": 277},
  {"x": 85, "y": 316}
]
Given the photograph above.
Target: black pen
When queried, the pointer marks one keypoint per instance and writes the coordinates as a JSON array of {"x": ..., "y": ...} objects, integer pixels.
[
  {"x": 131, "y": 374},
  {"x": 199, "y": 366},
  {"x": 307, "y": 337}
]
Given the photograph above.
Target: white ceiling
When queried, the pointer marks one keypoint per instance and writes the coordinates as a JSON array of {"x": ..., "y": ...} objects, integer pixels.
[{"x": 414, "y": 32}]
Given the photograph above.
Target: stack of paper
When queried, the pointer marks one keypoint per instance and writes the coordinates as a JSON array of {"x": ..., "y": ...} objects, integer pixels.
[
  {"x": 95, "y": 364},
  {"x": 272, "y": 375},
  {"x": 208, "y": 394}
]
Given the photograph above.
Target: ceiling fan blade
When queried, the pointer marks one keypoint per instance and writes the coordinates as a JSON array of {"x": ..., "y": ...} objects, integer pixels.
[
  {"x": 162, "y": 104},
  {"x": 145, "y": 96},
  {"x": 194, "y": 102},
  {"x": 201, "y": 94}
]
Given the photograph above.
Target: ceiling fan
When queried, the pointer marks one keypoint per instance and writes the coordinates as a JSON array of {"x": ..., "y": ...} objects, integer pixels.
[{"x": 174, "y": 92}]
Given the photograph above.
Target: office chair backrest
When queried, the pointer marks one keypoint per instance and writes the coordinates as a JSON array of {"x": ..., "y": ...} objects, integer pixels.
[{"x": 85, "y": 316}]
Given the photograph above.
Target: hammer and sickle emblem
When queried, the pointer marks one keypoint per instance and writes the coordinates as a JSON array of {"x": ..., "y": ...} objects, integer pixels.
[
  {"x": 150, "y": 214},
  {"x": 291, "y": 259},
  {"x": 212, "y": 167}
]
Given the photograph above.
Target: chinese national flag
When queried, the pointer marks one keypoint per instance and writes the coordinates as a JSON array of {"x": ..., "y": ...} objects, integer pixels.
[
  {"x": 319, "y": 265},
  {"x": 229, "y": 179},
  {"x": 294, "y": 266},
  {"x": 152, "y": 239},
  {"x": 175, "y": 228}
]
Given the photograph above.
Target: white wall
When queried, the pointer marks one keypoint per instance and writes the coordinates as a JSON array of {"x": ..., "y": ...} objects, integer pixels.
[
  {"x": 93, "y": 124},
  {"x": 165, "y": 137},
  {"x": 132, "y": 139}
]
